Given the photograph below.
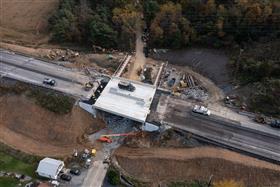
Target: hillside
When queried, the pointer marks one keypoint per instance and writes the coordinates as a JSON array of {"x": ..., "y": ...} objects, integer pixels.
[
  {"x": 29, "y": 126},
  {"x": 26, "y": 21}
]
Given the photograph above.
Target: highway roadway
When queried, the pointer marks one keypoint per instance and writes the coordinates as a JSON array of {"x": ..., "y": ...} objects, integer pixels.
[
  {"x": 177, "y": 113},
  {"x": 34, "y": 71}
]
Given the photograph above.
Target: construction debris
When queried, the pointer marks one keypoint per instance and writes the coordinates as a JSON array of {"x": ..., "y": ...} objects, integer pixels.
[
  {"x": 195, "y": 93},
  {"x": 62, "y": 55},
  {"x": 182, "y": 84},
  {"x": 118, "y": 124}
]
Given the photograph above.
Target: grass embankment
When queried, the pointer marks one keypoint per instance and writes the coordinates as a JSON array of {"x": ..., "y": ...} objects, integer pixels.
[
  {"x": 11, "y": 164},
  {"x": 16, "y": 161},
  {"x": 57, "y": 103},
  {"x": 8, "y": 163},
  {"x": 8, "y": 182},
  {"x": 48, "y": 99}
]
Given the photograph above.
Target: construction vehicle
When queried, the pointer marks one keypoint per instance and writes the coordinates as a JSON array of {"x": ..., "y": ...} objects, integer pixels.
[
  {"x": 260, "y": 119},
  {"x": 88, "y": 86},
  {"x": 117, "y": 135},
  {"x": 93, "y": 152},
  {"x": 105, "y": 139},
  {"x": 183, "y": 84}
]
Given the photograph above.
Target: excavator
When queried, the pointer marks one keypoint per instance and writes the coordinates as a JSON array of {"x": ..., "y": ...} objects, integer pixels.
[{"x": 106, "y": 138}]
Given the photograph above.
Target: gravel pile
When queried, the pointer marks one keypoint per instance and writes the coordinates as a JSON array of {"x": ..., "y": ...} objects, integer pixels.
[
  {"x": 118, "y": 124},
  {"x": 194, "y": 93}
]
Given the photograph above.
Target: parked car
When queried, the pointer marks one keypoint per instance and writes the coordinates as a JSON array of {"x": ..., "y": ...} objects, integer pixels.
[
  {"x": 275, "y": 123},
  {"x": 49, "y": 81},
  {"x": 65, "y": 177},
  {"x": 124, "y": 85},
  {"x": 54, "y": 183},
  {"x": 201, "y": 110},
  {"x": 75, "y": 171}
]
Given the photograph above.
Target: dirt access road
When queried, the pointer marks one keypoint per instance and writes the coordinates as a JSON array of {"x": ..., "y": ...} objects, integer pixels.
[
  {"x": 139, "y": 60},
  {"x": 154, "y": 165}
]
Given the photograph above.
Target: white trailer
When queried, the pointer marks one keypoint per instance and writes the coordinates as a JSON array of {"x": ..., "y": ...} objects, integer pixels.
[{"x": 50, "y": 168}]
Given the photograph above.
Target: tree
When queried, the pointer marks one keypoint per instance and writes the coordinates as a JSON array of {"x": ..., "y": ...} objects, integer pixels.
[
  {"x": 62, "y": 27},
  {"x": 150, "y": 10},
  {"x": 102, "y": 34},
  {"x": 125, "y": 20},
  {"x": 170, "y": 28},
  {"x": 113, "y": 177},
  {"x": 63, "y": 22}
]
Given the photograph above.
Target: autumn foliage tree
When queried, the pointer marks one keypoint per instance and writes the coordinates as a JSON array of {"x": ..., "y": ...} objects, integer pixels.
[
  {"x": 169, "y": 28},
  {"x": 125, "y": 20},
  {"x": 173, "y": 23}
]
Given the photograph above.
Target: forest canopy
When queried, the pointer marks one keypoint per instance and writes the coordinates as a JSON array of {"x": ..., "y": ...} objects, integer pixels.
[{"x": 181, "y": 23}]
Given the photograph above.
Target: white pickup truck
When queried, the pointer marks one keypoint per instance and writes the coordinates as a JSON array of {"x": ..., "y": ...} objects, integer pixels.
[{"x": 201, "y": 110}]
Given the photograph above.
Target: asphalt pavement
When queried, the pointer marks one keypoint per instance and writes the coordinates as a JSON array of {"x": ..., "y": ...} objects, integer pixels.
[
  {"x": 30, "y": 70},
  {"x": 232, "y": 134}
]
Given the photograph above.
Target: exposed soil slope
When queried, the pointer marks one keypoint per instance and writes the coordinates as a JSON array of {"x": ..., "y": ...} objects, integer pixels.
[
  {"x": 25, "y": 20},
  {"x": 32, "y": 129},
  {"x": 169, "y": 164}
]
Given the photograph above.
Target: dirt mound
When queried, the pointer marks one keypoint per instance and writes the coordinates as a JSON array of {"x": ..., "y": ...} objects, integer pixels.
[
  {"x": 155, "y": 165},
  {"x": 25, "y": 21},
  {"x": 32, "y": 129}
]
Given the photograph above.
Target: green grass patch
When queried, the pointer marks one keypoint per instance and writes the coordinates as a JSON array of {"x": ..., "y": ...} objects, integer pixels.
[
  {"x": 19, "y": 155},
  {"x": 11, "y": 164},
  {"x": 57, "y": 103},
  {"x": 8, "y": 182}
]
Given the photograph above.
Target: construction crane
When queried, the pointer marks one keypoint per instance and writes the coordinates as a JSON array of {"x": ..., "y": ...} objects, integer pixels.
[{"x": 122, "y": 134}]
